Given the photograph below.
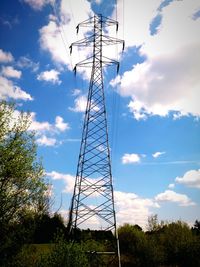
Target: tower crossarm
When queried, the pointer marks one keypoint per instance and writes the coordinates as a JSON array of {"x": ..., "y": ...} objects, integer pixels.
[
  {"x": 88, "y": 63},
  {"x": 106, "y": 40},
  {"x": 103, "y": 20}
]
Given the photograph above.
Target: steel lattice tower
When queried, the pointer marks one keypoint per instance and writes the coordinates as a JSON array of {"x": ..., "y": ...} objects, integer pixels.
[{"x": 94, "y": 177}]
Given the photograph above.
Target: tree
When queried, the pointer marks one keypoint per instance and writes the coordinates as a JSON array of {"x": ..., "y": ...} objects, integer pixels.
[
  {"x": 22, "y": 187},
  {"x": 46, "y": 228},
  {"x": 196, "y": 227},
  {"x": 181, "y": 247},
  {"x": 133, "y": 246},
  {"x": 153, "y": 224}
]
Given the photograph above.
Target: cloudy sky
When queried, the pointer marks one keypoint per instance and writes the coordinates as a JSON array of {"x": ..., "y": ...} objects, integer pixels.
[{"x": 152, "y": 104}]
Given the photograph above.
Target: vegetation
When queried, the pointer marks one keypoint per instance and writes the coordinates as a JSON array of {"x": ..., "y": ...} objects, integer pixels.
[
  {"x": 172, "y": 244},
  {"x": 22, "y": 188},
  {"x": 31, "y": 237},
  {"x": 65, "y": 254},
  {"x": 167, "y": 244}
]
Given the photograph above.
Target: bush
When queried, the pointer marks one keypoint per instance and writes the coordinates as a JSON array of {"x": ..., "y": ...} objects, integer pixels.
[{"x": 65, "y": 255}]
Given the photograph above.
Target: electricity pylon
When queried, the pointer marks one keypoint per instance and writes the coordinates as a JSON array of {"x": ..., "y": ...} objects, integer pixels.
[{"x": 94, "y": 177}]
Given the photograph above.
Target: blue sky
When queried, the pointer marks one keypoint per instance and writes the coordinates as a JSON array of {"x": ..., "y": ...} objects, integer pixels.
[{"x": 152, "y": 104}]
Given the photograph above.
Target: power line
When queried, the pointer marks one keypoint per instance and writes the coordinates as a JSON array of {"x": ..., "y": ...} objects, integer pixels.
[{"x": 61, "y": 31}]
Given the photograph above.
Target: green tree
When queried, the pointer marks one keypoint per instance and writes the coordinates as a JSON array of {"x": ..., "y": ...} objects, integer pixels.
[
  {"x": 134, "y": 247},
  {"x": 181, "y": 246},
  {"x": 47, "y": 227},
  {"x": 153, "y": 223},
  {"x": 22, "y": 187}
]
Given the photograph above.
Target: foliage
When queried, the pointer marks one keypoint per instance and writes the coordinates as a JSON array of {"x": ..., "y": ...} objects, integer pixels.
[
  {"x": 47, "y": 227},
  {"x": 93, "y": 251},
  {"x": 196, "y": 228},
  {"x": 166, "y": 244},
  {"x": 65, "y": 254},
  {"x": 172, "y": 245},
  {"x": 133, "y": 245},
  {"x": 30, "y": 255},
  {"x": 22, "y": 188},
  {"x": 181, "y": 247},
  {"x": 153, "y": 223},
  {"x": 95, "y": 243}
]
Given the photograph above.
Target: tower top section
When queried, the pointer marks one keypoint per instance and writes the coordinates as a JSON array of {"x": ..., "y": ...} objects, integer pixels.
[
  {"x": 106, "y": 22},
  {"x": 97, "y": 39}
]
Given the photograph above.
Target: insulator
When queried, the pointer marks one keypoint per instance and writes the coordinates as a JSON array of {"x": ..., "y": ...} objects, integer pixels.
[
  {"x": 70, "y": 49},
  {"x": 117, "y": 67},
  {"x": 74, "y": 70},
  {"x": 77, "y": 29},
  {"x": 123, "y": 46}
]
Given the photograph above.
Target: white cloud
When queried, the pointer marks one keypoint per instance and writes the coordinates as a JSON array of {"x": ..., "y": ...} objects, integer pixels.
[
  {"x": 134, "y": 18},
  {"x": 171, "y": 196},
  {"x": 49, "y": 76},
  {"x": 46, "y": 141},
  {"x": 10, "y": 72},
  {"x": 51, "y": 41},
  {"x": 60, "y": 124},
  {"x": 39, "y": 127},
  {"x": 38, "y": 4},
  {"x": 168, "y": 80},
  {"x": 5, "y": 57},
  {"x": 26, "y": 62},
  {"x": 114, "y": 82},
  {"x": 130, "y": 158},
  {"x": 98, "y": 2},
  {"x": 67, "y": 178},
  {"x": 45, "y": 131},
  {"x": 45, "y": 126},
  {"x": 9, "y": 90},
  {"x": 133, "y": 209},
  {"x": 80, "y": 104},
  {"x": 170, "y": 37},
  {"x": 190, "y": 179},
  {"x": 158, "y": 154},
  {"x": 76, "y": 92},
  {"x": 171, "y": 186},
  {"x": 161, "y": 85},
  {"x": 136, "y": 107},
  {"x": 52, "y": 17},
  {"x": 57, "y": 37}
]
